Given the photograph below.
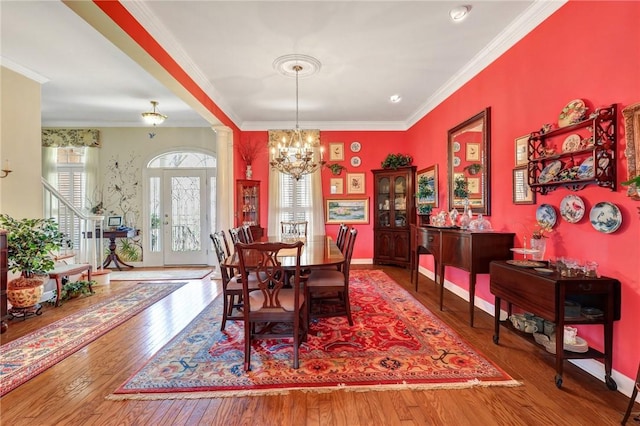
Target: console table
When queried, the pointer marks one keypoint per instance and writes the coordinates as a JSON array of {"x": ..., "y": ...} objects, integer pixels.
[
  {"x": 545, "y": 295},
  {"x": 113, "y": 256},
  {"x": 469, "y": 251}
]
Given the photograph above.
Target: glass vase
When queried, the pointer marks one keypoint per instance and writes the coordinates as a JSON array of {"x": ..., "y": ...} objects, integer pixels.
[{"x": 539, "y": 244}]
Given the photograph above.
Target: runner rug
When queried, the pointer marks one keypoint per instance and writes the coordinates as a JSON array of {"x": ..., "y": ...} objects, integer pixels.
[
  {"x": 160, "y": 274},
  {"x": 30, "y": 355},
  {"x": 395, "y": 343}
]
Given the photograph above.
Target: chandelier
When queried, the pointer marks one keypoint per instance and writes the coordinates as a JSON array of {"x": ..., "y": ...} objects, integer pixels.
[
  {"x": 153, "y": 117},
  {"x": 293, "y": 152}
]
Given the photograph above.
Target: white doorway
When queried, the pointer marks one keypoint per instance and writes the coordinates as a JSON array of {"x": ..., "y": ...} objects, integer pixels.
[
  {"x": 183, "y": 218},
  {"x": 181, "y": 209}
]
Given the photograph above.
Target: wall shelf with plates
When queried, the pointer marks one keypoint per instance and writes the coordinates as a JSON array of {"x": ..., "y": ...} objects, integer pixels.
[{"x": 575, "y": 155}]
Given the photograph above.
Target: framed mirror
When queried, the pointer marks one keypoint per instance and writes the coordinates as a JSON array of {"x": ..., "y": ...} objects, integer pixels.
[
  {"x": 469, "y": 163},
  {"x": 631, "y": 116}
]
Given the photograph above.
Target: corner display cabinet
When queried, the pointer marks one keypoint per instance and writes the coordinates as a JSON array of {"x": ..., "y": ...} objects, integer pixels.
[
  {"x": 576, "y": 155},
  {"x": 248, "y": 206},
  {"x": 394, "y": 214}
]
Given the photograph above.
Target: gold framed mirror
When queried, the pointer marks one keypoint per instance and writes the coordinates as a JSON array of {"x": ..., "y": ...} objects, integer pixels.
[
  {"x": 631, "y": 116},
  {"x": 469, "y": 163}
]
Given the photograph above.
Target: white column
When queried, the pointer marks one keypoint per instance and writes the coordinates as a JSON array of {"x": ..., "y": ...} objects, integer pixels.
[{"x": 224, "y": 181}]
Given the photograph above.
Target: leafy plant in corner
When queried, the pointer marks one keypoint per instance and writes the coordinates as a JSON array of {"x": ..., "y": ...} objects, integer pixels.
[
  {"x": 393, "y": 161},
  {"x": 336, "y": 168},
  {"x": 30, "y": 243}
]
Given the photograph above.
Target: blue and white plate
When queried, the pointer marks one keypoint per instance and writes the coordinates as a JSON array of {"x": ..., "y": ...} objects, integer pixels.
[
  {"x": 550, "y": 171},
  {"x": 605, "y": 217},
  {"x": 546, "y": 215}
]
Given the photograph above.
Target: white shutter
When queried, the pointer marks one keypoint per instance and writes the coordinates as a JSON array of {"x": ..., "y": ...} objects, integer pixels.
[{"x": 295, "y": 198}]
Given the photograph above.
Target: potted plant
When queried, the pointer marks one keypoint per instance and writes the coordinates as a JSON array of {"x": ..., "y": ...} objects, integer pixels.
[
  {"x": 336, "y": 168},
  {"x": 30, "y": 243},
  {"x": 393, "y": 161},
  {"x": 71, "y": 290},
  {"x": 473, "y": 169}
]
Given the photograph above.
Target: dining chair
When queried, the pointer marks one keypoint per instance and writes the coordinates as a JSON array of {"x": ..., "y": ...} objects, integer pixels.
[
  {"x": 331, "y": 287},
  {"x": 272, "y": 303},
  {"x": 236, "y": 235},
  {"x": 231, "y": 283},
  {"x": 293, "y": 229},
  {"x": 248, "y": 235},
  {"x": 341, "y": 237}
]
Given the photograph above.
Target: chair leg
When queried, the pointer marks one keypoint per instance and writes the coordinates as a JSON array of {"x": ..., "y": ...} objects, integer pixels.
[
  {"x": 247, "y": 346},
  {"x": 224, "y": 312},
  {"x": 347, "y": 307},
  {"x": 632, "y": 400}
]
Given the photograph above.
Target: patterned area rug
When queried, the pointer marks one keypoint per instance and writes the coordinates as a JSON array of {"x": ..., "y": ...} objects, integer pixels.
[
  {"x": 395, "y": 343},
  {"x": 161, "y": 274},
  {"x": 33, "y": 353}
]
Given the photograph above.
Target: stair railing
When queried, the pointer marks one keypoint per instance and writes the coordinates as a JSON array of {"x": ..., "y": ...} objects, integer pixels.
[{"x": 84, "y": 230}]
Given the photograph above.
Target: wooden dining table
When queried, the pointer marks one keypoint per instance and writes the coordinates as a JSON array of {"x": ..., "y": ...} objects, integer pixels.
[{"x": 318, "y": 251}]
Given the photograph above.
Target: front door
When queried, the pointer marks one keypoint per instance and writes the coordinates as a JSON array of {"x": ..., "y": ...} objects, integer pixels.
[{"x": 184, "y": 217}]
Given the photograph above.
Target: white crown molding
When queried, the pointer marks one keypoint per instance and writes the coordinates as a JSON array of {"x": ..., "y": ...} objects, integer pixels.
[
  {"x": 513, "y": 33},
  {"x": 326, "y": 125},
  {"x": 151, "y": 23},
  {"x": 8, "y": 63}
]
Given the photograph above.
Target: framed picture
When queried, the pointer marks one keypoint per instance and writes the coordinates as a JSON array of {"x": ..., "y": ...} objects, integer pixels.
[
  {"x": 355, "y": 183},
  {"x": 522, "y": 193},
  {"x": 473, "y": 151},
  {"x": 473, "y": 185},
  {"x": 114, "y": 221},
  {"x": 336, "y": 151},
  {"x": 347, "y": 210},
  {"x": 336, "y": 185},
  {"x": 521, "y": 150},
  {"x": 430, "y": 175}
]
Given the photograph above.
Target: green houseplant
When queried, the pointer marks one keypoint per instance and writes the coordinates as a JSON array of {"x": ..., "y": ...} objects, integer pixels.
[
  {"x": 30, "y": 243},
  {"x": 336, "y": 168},
  {"x": 393, "y": 161},
  {"x": 75, "y": 289}
]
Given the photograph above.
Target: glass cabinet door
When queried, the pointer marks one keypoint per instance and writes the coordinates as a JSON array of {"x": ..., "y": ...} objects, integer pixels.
[
  {"x": 400, "y": 202},
  {"x": 384, "y": 201}
]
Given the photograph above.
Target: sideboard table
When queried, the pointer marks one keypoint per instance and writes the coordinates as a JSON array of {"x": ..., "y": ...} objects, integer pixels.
[{"x": 544, "y": 295}]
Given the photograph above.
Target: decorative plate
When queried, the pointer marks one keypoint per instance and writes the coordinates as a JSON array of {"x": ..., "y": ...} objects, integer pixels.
[
  {"x": 572, "y": 208},
  {"x": 550, "y": 171},
  {"x": 355, "y": 146},
  {"x": 456, "y": 161},
  {"x": 355, "y": 161},
  {"x": 605, "y": 217},
  {"x": 526, "y": 263},
  {"x": 573, "y": 112},
  {"x": 586, "y": 168},
  {"x": 546, "y": 215},
  {"x": 571, "y": 143},
  {"x": 456, "y": 146}
]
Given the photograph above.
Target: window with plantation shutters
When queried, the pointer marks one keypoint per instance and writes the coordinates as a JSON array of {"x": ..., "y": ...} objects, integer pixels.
[
  {"x": 295, "y": 198},
  {"x": 72, "y": 186}
]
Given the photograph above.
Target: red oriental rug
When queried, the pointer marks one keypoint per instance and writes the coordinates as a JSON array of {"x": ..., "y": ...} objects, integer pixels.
[
  {"x": 30, "y": 355},
  {"x": 395, "y": 343}
]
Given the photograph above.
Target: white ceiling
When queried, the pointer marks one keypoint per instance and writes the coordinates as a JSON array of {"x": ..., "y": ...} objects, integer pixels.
[{"x": 369, "y": 50}]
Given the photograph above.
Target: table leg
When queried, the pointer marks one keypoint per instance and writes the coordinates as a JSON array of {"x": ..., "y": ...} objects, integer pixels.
[
  {"x": 113, "y": 256},
  {"x": 472, "y": 296},
  {"x": 496, "y": 322}
]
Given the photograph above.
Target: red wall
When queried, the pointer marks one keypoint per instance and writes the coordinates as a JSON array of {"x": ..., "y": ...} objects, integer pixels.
[{"x": 586, "y": 50}]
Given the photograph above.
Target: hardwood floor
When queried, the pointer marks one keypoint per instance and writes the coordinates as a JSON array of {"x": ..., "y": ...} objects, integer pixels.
[{"x": 73, "y": 391}]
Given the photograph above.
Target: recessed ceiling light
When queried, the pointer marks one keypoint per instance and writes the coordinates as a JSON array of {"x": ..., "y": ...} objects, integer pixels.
[
  {"x": 458, "y": 13},
  {"x": 395, "y": 98}
]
